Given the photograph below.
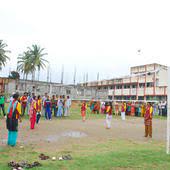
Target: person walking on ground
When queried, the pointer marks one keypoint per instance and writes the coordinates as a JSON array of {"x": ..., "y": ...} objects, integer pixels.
[{"x": 13, "y": 114}]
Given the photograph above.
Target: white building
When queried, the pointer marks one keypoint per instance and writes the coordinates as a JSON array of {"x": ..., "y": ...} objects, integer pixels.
[{"x": 145, "y": 82}]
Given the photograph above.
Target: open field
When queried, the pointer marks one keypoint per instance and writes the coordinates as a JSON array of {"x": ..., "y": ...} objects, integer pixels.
[{"x": 89, "y": 143}]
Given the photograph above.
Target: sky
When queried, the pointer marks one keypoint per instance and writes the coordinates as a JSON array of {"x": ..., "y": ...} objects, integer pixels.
[{"x": 90, "y": 35}]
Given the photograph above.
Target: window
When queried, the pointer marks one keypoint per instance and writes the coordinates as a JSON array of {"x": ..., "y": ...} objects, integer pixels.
[
  {"x": 68, "y": 92},
  {"x": 141, "y": 85},
  {"x": 149, "y": 84},
  {"x": 134, "y": 86}
]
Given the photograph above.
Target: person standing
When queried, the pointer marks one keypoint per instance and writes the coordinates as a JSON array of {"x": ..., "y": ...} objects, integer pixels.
[
  {"x": 23, "y": 101},
  {"x": 13, "y": 114},
  {"x": 92, "y": 103},
  {"x": 83, "y": 111},
  {"x": 38, "y": 109},
  {"x": 108, "y": 115},
  {"x": 54, "y": 105},
  {"x": 159, "y": 109},
  {"x": 128, "y": 108},
  {"x": 103, "y": 108},
  {"x": 123, "y": 111},
  {"x": 60, "y": 107},
  {"x": 43, "y": 103},
  {"x": 29, "y": 99},
  {"x": 163, "y": 107},
  {"x": 2, "y": 104},
  {"x": 148, "y": 120},
  {"x": 143, "y": 109},
  {"x": 48, "y": 106},
  {"x": 154, "y": 109},
  {"x": 67, "y": 106},
  {"x": 132, "y": 109},
  {"x": 33, "y": 112},
  {"x": 97, "y": 107}
]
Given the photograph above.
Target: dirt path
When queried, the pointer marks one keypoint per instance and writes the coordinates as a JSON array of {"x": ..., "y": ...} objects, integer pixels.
[{"x": 59, "y": 134}]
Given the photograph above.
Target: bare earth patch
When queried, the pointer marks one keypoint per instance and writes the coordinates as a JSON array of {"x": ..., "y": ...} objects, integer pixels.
[{"x": 61, "y": 134}]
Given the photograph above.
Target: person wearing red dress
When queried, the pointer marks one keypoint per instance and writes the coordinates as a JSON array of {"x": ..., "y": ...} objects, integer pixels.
[
  {"x": 23, "y": 101},
  {"x": 83, "y": 111}
]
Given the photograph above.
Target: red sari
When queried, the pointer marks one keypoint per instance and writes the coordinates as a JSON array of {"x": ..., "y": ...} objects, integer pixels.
[
  {"x": 132, "y": 110},
  {"x": 32, "y": 113}
]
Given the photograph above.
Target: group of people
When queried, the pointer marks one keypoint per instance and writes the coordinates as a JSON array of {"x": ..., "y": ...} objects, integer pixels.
[
  {"x": 59, "y": 106},
  {"x": 130, "y": 108},
  {"x": 145, "y": 110},
  {"x": 36, "y": 106}
]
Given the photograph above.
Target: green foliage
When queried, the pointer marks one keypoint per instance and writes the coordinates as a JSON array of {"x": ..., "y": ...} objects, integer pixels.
[
  {"x": 3, "y": 56},
  {"x": 31, "y": 60},
  {"x": 14, "y": 75}
]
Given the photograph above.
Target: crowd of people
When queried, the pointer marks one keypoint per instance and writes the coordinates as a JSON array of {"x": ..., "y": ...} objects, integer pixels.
[
  {"x": 59, "y": 106},
  {"x": 35, "y": 107},
  {"x": 139, "y": 109},
  {"x": 130, "y": 108}
]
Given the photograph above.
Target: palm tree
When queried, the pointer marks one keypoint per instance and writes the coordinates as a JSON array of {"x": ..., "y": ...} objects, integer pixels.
[
  {"x": 25, "y": 64},
  {"x": 31, "y": 60},
  {"x": 3, "y": 56},
  {"x": 36, "y": 53}
]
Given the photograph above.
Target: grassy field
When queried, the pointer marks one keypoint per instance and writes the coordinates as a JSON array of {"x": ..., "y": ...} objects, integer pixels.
[{"x": 108, "y": 155}]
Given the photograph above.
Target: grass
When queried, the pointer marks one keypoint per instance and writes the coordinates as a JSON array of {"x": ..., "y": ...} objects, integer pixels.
[
  {"x": 116, "y": 154},
  {"x": 109, "y": 155}
]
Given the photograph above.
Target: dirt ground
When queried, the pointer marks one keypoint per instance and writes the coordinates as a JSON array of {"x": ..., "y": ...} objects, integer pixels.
[{"x": 64, "y": 134}]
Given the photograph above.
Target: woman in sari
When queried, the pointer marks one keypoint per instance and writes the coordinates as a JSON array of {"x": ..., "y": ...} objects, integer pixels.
[
  {"x": 14, "y": 112},
  {"x": 108, "y": 115},
  {"x": 83, "y": 111},
  {"x": 33, "y": 112},
  {"x": 148, "y": 120}
]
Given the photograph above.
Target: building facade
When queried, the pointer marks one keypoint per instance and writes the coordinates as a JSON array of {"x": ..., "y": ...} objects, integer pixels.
[{"x": 145, "y": 82}]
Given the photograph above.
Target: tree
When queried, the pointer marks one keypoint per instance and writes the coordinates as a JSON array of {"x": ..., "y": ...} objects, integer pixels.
[
  {"x": 37, "y": 55},
  {"x": 3, "y": 56},
  {"x": 25, "y": 63},
  {"x": 31, "y": 60},
  {"x": 14, "y": 75}
]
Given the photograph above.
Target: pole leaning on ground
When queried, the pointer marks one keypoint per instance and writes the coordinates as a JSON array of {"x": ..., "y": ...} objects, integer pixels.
[{"x": 168, "y": 114}]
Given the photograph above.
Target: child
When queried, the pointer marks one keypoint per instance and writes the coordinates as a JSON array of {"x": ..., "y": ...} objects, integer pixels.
[
  {"x": 108, "y": 115},
  {"x": 83, "y": 111}
]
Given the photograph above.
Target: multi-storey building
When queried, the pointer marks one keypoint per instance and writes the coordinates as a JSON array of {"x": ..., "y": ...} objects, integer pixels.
[{"x": 145, "y": 82}]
